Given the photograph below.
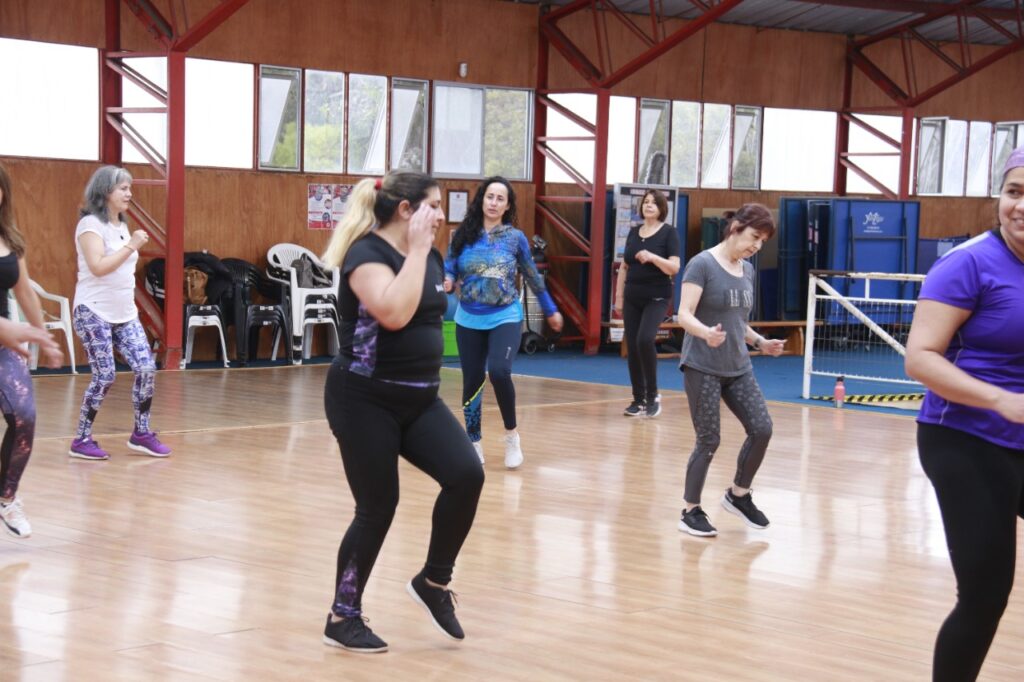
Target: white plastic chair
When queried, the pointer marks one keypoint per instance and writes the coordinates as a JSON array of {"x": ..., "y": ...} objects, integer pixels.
[
  {"x": 279, "y": 259},
  {"x": 203, "y": 318},
  {"x": 50, "y": 322}
]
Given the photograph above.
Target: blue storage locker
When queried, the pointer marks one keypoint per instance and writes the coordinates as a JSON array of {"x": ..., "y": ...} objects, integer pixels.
[{"x": 930, "y": 250}]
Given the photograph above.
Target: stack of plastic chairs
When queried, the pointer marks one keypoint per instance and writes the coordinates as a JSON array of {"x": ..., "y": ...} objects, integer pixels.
[{"x": 306, "y": 306}]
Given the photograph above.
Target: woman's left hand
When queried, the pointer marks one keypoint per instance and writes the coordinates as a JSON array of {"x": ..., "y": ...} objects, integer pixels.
[
  {"x": 644, "y": 256},
  {"x": 773, "y": 347},
  {"x": 555, "y": 321}
]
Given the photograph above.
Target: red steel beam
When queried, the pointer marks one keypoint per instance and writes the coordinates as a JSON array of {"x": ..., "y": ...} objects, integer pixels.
[
  {"x": 207, "y": 24},
  {"x": 174, "y": 270},
  {"x": 110, "y": 85},
  {"x": 663, "y": 46},
  {"x": 938, "y": 12},
  {"x": 974, "y": 68}
]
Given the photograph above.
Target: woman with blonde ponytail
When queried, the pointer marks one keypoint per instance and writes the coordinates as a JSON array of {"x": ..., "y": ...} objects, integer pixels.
[{"x": 381, "y": 397}]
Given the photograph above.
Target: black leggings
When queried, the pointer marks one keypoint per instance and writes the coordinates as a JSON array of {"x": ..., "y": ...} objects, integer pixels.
[
  {"x": 979, "y": 486},
  {"x": 743, "y": 397},
  {"x": 640, "y": 320},
  {"x": 375, "y": 422},
  {"x": 488, "y": 353}
]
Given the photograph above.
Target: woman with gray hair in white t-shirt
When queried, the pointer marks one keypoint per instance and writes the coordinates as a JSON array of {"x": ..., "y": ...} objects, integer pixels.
[
  {"x": 105, "y": 317},
  {"x": 714, "y": 306}
]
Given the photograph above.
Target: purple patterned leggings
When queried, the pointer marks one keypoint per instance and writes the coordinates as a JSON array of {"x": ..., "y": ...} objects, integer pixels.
[
  {"x": 100, "y": 339},
  {"x": 18, "y": 404}
]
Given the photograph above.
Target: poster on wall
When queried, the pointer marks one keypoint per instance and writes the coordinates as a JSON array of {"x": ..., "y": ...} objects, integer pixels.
[
  {"x": 628, "y": 215},
  {"x": 325, "y": 205},
  {"x": 626, "y": 200}
]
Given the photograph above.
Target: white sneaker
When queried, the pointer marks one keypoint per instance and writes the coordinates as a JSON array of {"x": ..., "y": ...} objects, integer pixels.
[
  {"x": 13, "y": 516},
  {"x": 479, "y": 447},
  {"x": 513, "y": 453}
]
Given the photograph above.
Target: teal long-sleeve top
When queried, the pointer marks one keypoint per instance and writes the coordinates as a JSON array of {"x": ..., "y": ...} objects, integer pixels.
[{"x": 486, "y": 271}]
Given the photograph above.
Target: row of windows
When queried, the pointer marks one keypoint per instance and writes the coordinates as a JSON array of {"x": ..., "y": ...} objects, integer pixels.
[{"x": 332, "y": 122}]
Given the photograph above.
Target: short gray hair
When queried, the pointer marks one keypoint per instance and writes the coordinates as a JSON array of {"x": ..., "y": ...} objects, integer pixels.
[{"x": 99, "y": 188}]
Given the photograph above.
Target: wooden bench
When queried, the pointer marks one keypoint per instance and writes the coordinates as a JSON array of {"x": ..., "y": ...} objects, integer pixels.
[{"x": 793, "y": 329}]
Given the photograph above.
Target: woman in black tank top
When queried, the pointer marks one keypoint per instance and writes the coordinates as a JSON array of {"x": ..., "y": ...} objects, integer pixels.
[{"x": 17, "y": 401}]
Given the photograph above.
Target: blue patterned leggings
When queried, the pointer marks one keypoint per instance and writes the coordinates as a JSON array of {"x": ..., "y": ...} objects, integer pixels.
[
  {"x": 100, "y": 339},
  {"x": 18, "y": 404}
]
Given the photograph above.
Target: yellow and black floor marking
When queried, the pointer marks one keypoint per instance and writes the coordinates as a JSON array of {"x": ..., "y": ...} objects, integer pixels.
[{"x": 877, "y": 398}]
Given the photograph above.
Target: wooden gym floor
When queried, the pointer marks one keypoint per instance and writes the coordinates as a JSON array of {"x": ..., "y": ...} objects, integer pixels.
[{"x": 218, "y": 563}]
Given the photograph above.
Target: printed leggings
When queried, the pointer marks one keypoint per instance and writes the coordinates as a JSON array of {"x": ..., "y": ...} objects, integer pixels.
[
  {"x": 18, "y": 404},
  {"x": 488, "y": 353},
  {"x": 100, "y": 339},
  {"x": 375, "y": 422},
  {"x": 744, "y": 399},
  {"x": 980, "y": 489}
]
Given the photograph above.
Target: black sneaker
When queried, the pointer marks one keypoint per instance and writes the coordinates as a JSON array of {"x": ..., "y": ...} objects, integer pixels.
[
  {"x": 352, "y": 634},
  {"x": 653, "y": 407},
  {"x": 439, "y": 603},
  {"x": 695, "y": 522},
  {"x": 744, "y": 507},
  {"x": 635, "y": 409}
]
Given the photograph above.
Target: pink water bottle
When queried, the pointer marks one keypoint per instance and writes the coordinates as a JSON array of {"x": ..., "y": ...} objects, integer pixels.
[{"x": 839, "y": 392}]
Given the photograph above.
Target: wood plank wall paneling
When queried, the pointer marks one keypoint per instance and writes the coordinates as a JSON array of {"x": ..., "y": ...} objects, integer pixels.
[{"x": 241, "y": 213}]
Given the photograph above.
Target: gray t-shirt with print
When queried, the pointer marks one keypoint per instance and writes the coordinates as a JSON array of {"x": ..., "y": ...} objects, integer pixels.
[{"x": 727, "y": 300}]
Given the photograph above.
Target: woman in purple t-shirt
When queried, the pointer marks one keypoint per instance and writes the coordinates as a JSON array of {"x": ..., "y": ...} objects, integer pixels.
[{"x": 966, "y": 346}]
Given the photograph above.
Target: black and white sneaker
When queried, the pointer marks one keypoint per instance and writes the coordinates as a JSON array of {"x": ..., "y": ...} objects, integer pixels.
[
  {"x": 635, "y": 409},
  {"x": 695, "y": 522},
  {"x": 352, "y": 634},
  {"x": 745, "y": 508},
  {"x": 439, "y": 603},
  {"x": 653, "y": 407}
]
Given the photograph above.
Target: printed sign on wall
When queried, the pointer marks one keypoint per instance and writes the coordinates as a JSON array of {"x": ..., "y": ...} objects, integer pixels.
[{"x": 325, "y": 205}]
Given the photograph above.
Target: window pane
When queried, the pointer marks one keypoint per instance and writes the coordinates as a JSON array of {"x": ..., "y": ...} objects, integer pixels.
[
  {"x": 929, "y": 158},
  {"x": 150, "y": 127},
  {"x": 507, "y": 132},
  {"x": 978, "y": 154},
  {"x": 954, "y": 156},
  {"x": 579, "y": 154},
  {"x": 324, "y": 131},
  {"x": 685, "y": 143},
  {"x": 279, "y": 117},
  {"x": 409, "y": 124},
  {"x": 50, "y": 100},
  {"x": 799, "y": 150},
  {"x": 621, "y": 139},
  {"x": 715, "y": 136},
  {"x": 367, "y": 129},
  {"x": 654, "y": 125},
  {"x": 885, "y": 169},
  {"x": 458, "y": 130},
  {"x": 746, "y": 146},
  {"x": 1006, "y": 140},
  {"x": 218, "y": 113}
]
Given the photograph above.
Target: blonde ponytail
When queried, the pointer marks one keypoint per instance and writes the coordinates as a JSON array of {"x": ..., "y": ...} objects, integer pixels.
[{"x": 355, "y": 224}]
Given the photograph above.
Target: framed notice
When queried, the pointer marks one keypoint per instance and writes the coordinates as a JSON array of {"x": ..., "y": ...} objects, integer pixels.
[
  {"x": 325, "y": 205},
  {"x": 458, "y": 201}
]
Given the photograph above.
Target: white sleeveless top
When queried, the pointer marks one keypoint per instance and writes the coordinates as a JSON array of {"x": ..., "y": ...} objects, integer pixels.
[{"x": 112, "y": 296}]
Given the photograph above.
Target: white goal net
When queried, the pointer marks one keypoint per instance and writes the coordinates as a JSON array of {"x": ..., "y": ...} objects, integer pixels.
[{"x": 857, "y": 326}]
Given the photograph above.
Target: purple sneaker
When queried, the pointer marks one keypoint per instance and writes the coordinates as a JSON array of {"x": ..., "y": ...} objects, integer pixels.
[
  {"x": 87, "y": 448},
  {"x": 147, "y": 443}
]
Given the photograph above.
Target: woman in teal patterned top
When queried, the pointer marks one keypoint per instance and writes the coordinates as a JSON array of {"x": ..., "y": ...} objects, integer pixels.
[{"x": 486, "y": 254}]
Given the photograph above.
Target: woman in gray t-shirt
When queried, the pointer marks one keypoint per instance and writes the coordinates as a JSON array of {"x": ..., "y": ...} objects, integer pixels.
[{"x": 715, "y": 302}]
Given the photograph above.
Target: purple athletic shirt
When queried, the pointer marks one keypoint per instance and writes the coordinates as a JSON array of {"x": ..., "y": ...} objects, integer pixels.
[{"x": 981, "y": 275}]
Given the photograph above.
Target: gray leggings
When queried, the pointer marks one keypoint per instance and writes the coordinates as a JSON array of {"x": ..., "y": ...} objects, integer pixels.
[{"x": 743, "y": 397}]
